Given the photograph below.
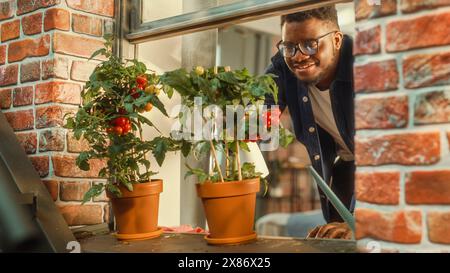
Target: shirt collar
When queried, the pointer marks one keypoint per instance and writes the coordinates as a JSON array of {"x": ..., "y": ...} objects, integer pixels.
[{"x": 345, "y": 65}]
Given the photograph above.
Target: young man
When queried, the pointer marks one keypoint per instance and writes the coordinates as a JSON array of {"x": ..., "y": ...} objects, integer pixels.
[{"x": 314, "y": 68}]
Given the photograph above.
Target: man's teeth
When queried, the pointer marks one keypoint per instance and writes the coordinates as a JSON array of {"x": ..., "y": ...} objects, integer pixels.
[{"x": 305, "y": 66}]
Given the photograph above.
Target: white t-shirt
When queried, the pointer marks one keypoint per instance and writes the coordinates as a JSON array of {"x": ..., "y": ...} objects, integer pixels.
[{"x": 323, "y": 115}]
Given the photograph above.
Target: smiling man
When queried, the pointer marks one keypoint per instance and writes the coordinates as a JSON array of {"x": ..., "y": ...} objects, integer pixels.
[{"x": 314, "y": 68}]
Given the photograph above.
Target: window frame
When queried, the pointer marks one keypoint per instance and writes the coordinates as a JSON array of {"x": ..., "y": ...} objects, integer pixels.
[{"x": 215, "y": 17}]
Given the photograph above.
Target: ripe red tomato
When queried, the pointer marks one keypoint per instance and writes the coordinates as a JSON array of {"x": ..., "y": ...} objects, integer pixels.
[
  {"x": 126, "y": 128},
  {"x": 110, "y": 130},
  {"x": 134, "y": 93},
  {"x": 120, "y": 121},
  {"x": 118, "y": 130},
  {"x": 141, "y": 81}
]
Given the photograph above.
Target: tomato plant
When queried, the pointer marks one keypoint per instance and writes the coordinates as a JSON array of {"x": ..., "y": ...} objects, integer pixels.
[
  {"x": 109, "y": 120},
  {"x": 223, "y": 87}
]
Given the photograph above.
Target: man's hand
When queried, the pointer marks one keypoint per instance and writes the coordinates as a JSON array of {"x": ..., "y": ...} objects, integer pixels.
[{"x": 333, "y": 230}]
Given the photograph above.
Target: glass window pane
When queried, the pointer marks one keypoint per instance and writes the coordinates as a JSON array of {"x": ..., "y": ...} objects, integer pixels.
[{"x": 160, "y": 9}]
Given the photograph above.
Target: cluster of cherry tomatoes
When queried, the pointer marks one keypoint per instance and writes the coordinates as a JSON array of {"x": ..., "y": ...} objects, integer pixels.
[
  {"x": 122, "y": 125},
  {"x": 142, "y": 84},
  {"x": 119, "y": 126}
]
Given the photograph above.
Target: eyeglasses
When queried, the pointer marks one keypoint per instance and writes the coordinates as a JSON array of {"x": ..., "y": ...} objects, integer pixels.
[{"x": 307, "y": 47}]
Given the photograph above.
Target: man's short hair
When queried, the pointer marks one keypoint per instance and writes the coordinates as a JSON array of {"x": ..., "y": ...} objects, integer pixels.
[{"x": 327, "y": 13}]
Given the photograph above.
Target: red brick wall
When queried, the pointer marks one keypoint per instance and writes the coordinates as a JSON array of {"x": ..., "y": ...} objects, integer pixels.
[
  {"x": 43, "y": 57},
  {"x": 402, "y": 80}
]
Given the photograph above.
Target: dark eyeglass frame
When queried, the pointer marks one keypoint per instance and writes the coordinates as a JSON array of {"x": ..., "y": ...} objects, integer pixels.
[{"x": 298, "y": 47}]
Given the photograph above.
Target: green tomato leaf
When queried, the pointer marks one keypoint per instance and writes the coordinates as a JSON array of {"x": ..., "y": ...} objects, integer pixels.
[
  {"x": 160, "y": 149},
  {"x": 94, "y": 191},
  {"x": 82, "y": 161},
  {"x": 158, "y": 104},
  {"x": 113, "y": 189},
  {"x": 186, "y": 147},
  {"x": 244, "y": 146}
]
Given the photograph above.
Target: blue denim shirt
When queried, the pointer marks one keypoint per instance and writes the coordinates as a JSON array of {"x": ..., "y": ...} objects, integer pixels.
[{"x": 322, "y": 149}]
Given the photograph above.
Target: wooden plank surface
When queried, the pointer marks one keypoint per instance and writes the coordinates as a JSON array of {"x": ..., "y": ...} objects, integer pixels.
[{"x": 195, "y": 243}]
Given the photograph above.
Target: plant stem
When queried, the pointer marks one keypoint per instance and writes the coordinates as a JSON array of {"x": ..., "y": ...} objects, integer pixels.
[
  {"x": 142, "y": 138},
  {"x": 145, "y": 154},
  {"x": 238, "y": 159},
  {"x": 213, "y": 150},
  {"x": 227, "y": 159}
]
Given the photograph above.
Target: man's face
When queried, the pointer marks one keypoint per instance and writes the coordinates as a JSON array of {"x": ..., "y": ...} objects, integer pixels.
[{"x": 313, "y": 69}]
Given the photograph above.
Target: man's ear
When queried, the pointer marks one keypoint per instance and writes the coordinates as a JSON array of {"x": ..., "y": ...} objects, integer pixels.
[{"x": 337, "y": 40}]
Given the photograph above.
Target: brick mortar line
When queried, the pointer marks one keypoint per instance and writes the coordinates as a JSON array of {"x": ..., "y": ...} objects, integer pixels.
[
  {"x": 402, "y": 195},
  {"x": 34, "y": 106},
  {"x": 34, "y": 83},
  {"x": 407, "y": 169},
  {"x": 441, "y": 165},
  {"x": 425, "y": 231},
  {"x": 60, "y": 202},
  {"x": 402, "y": 91},
  {"x": 73, "y": 179},
  {"x": 412, "y": 99},
  {"x": 381, "y": 95},
  {"x": 383, "y": 39},
  {"x": 392, "y": 131},
  {"x": 405, "y": 207},
  {"x": 400, "y": 168}
]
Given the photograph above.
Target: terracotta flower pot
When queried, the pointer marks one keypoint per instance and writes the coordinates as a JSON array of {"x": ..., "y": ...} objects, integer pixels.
[
  {"x": 230, "y": 210},
  {"x": 136, "y": 212}
]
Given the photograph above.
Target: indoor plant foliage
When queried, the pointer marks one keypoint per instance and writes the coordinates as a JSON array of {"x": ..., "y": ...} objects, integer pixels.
[
  {"x": 110, "y": 119},
  {"x": 229, "y": 178}
]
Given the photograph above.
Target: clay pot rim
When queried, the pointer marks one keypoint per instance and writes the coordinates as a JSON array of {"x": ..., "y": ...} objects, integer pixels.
[
  {"x": 154, "y": 186},
  {"x": 139, "y": 236},
  {"x": 231, "y": 240},
  {"x": 228, "y": 189}
]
